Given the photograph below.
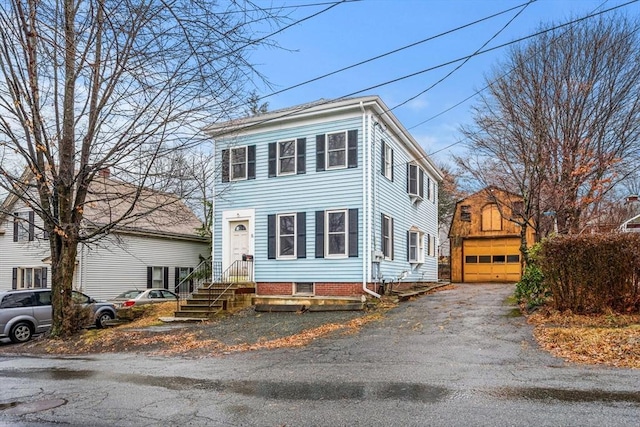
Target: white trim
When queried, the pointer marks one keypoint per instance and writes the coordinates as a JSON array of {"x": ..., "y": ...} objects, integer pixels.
[
  {"x": 246, "y": 163},
  {"x": 232, "y": 216},
  {"x": 295, "y": 157},
  {"x": 327, "y": 255},
  {"x": 295, "y": 236},
  {"x": 346, "y": 150}
]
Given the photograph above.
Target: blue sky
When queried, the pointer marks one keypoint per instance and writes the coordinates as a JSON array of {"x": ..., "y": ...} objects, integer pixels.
[{"x": 352, "y": 32}]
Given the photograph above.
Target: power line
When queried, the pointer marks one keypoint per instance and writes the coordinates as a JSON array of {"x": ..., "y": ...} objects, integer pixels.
[
  {"x": 466, "y": 60},
  {"x": 348, "y": 67}
]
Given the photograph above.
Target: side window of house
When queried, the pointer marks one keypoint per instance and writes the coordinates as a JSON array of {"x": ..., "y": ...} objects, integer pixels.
[
  {"x": 287, "y": 157},
  {"x": 23, "y": 226},
  {"x": 415, "y": 181},
  {"x": 29, "y": 277},
  {"x": 158, "y": 277},
  {"x": 465, "y": 213},
  {"x": 387, "y": 236},
  {"x": 287, "y": 236},
  {"x": 415, "y": 246},
  {"x": 337, "y": 233},
  {"x": 337, "y": 150},
  {"x": 239, "y": 163},
  {"x": 491, "y": 218},
  {"x": 387, "y": 161}
]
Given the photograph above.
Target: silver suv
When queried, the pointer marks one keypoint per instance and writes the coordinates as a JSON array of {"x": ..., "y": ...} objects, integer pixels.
[{"x": 28, "y": 311}]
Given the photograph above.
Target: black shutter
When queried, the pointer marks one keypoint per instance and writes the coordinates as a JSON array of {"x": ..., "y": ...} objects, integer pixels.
[
  {"x": 382, "y": 157},
  {"x": 14, "y": 279},
  {"x": 420, "y": 183},
  {"x": 391, "y": 165},
  {"x": 225, "y": 165},
  {"x": 392, "y": 239},
  {"x": 302, "y": 155},
  {"x": 428, "y": 188},
  {"x": 251, "y": 162},
  {"x": 32, "y": 230},
  {"x": 190, "y": 279},
  {"x": 408, "y": 178},
  {"x": 149, "y": 277},
  {"x": 383, "y": 227},
  {"x": 271, "y": 237},
  {"x": 177, "y": 278},
  {"x": 319, "y": 234},
  {"x": 165, "y": 278},
  {"x": 44, "y": 277},
  {"x": 302, "y": 234},
  {"x": 15, "y": 229},
  {"x": 352, "y": 143},
  {"x": 273, "y": 153},
  {"x": 353, "y": 233},
  {"x": 320, "y": 152},
  {"x": 408, "y": 251}
]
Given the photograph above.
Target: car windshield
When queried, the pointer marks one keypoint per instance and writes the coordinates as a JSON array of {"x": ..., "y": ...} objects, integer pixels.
[{"x": 129, "y": 294}]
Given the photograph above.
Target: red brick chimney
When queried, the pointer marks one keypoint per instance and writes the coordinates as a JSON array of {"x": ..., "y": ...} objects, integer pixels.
[{"x": 104, "y": 173}]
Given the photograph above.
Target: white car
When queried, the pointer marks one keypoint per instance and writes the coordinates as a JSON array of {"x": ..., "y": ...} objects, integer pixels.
[{"x": 136, "y": 297}]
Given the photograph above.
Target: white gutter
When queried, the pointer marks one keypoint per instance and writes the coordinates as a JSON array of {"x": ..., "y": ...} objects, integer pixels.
[{"x": 366, "y": 202}]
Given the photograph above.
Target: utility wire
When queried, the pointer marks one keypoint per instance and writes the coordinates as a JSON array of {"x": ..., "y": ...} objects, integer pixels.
[
  {"x": 466, "y": 60},
  {"x": 348, "y": 67}
]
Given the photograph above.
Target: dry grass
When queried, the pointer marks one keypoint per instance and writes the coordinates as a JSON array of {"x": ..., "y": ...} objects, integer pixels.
[{"x": 608, "y": 339}]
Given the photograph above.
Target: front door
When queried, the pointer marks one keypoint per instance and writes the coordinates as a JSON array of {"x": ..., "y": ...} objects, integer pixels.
[{"x": 239, "y": 247}]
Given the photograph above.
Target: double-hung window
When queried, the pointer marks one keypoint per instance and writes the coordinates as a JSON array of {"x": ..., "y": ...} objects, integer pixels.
[
  {"x": 415, "y": 247},
  {"x": 387, "y": 236},
  {"x": 23, "y": 226},
  {"x": 238, "y": 163},
  {"x": 336, "y": 150},
  {"x": 29, "y": 277},
  {"x": 287, "y": 157},
  {"x": 286, "y": 236},
  {"x": 415, "y": 181},
  {"x": 337, "y": 233},
  {"x": 387, "y": 161},
  {"x": 158, "y": 277}
]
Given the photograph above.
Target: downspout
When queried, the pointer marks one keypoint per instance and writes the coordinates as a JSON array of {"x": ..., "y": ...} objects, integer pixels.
[
  {"x": 366, "y": 203},
  {"x": 213, "y": 213}
]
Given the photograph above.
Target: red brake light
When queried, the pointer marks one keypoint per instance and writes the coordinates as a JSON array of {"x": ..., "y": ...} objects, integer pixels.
[{"x": 128, "y": 303}]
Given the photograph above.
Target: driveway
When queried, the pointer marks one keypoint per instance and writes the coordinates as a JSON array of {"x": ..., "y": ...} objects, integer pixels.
[{"x": 458, "y": 357}]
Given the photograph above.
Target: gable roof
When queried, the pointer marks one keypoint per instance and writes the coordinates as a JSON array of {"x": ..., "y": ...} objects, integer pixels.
[
  {"x": 323, "y": 107},
  {"x": 154, "y": 212}
]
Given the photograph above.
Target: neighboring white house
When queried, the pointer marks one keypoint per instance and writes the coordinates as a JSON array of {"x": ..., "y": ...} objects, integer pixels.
[{"x": 156, "y": 249}]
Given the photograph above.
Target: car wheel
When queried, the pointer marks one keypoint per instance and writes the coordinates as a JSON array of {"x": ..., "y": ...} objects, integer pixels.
[
  {"x": 21, "y": 332},
  {"x": 103, "y": 318}
]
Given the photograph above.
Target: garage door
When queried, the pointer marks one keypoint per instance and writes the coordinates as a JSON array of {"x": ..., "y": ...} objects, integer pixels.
[{"x": 491, "y": 260}]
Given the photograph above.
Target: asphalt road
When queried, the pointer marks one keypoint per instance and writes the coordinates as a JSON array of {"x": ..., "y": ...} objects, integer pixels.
[{"x": 453, "y": 358}]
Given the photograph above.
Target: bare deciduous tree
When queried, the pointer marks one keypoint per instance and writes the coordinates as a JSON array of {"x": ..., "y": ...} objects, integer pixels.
[
  {"x": 560, "y": 123},
  {"x": 90, "y": 85}
]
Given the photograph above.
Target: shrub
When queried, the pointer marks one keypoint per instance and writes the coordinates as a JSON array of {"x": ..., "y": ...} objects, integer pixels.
[{"x": 531, "y": 289}]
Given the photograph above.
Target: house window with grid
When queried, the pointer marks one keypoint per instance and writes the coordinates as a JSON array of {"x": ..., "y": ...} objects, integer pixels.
[
  {"x": 387, "y": 236},
  {"x": 238, "y": 163},
  {"x": 415, "y": 181},
  {"x": 158, "y": 277},
  {"x": 23, "y": 226},
  {"x": 416, "y": 247},
  {"x": 29, "y": 277},
  {"x": 286, "y": 238},
  {"x": 287, "y": 157},
  {"x": 387, "y": 161},
  {"x": 337, "y": 233},
  {"x": 336, "y": 150},
  {"x": 465, "y": 213}
]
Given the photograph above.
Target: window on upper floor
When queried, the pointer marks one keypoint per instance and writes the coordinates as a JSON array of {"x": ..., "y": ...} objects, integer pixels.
[
  {"x": 23, "y": 226},
  {"x": 491, "y": 218},
  {"x": 337, "y": 150},
  {"x": 465, "y": 213},
  {"x": 387, "y": 161},
  {"x": 415, "y": 181},
  {"x": 337, "y": 233},
  {"x": 239, "y": 163},
  {"x": 415, "y": 246},
  {"x": 287, "y": 157},
  {"x": 387, "y": 236},
  {"x": 29, "y": 277}
]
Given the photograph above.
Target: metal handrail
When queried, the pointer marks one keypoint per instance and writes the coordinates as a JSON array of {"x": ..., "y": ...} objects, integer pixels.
[
  {"x": 201, "y": 274},
  {"x": 237, "y": 270}
]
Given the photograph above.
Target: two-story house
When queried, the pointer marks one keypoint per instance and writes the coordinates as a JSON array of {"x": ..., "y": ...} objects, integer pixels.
[
  {"x": 158, "y": 247},
  {"x": 332, "y": 198}
]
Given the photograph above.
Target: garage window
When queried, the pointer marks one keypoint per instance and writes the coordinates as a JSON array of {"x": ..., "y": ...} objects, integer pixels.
[
  {"x": 484, "y": 259},
  {"x": 471, "y": 259},
  {"x": 499, "y": 259},
  {"x": 513, "y": 258}
]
